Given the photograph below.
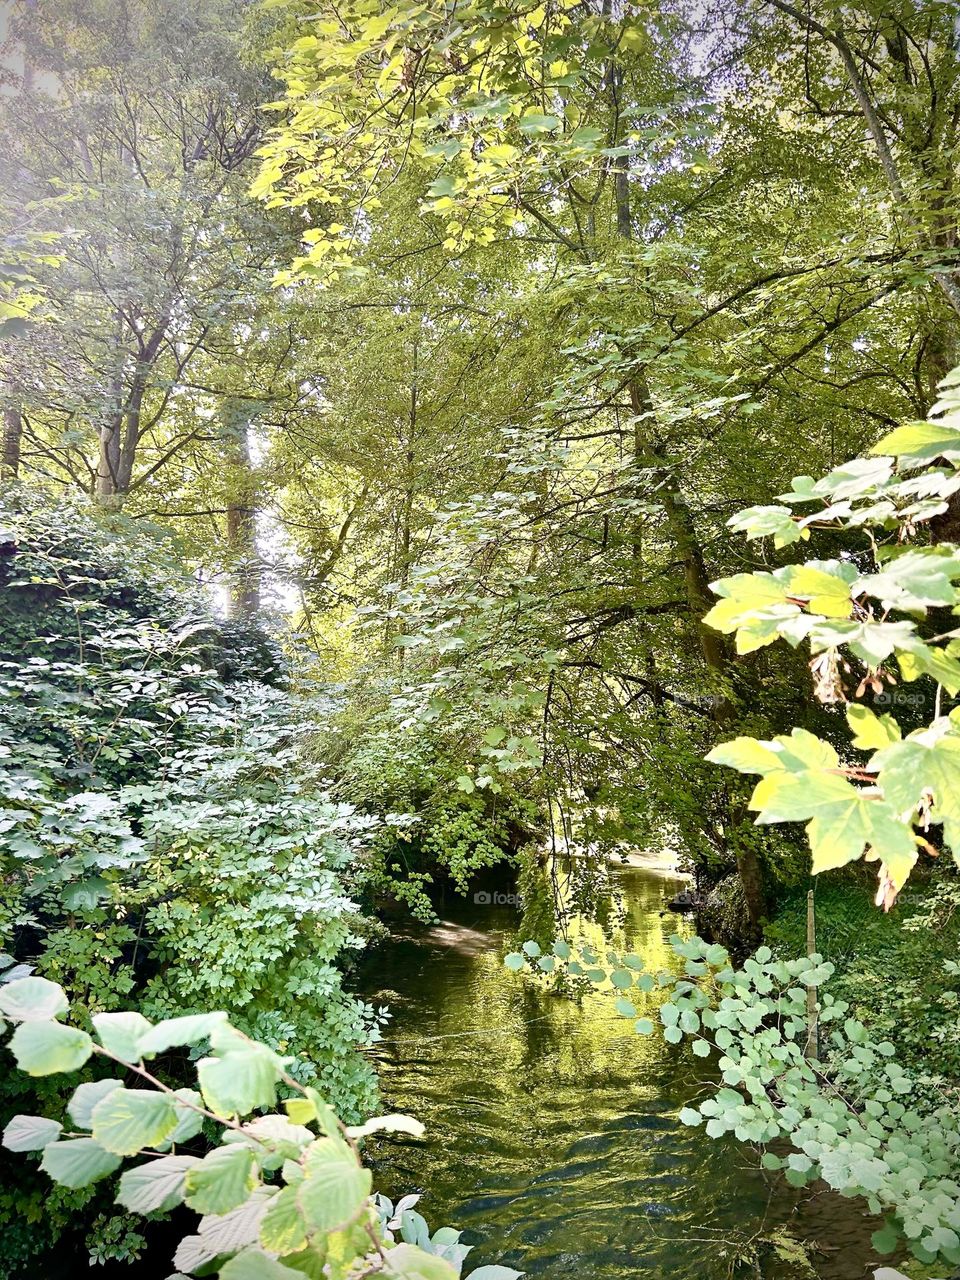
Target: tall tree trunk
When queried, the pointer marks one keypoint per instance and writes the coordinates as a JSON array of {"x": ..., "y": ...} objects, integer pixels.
[
  {"x": 244, "y": 565},
  {"x": 648, "y": 453},
  {"x": 108, "y": 461},
  {"x": 12, "y": 441}
]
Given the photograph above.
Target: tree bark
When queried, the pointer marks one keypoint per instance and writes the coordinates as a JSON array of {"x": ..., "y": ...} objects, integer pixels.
[
  {"x": 647, "y": 454},
  {"x": 244, "y": 565},
  {"x": 12, "y": 442}
]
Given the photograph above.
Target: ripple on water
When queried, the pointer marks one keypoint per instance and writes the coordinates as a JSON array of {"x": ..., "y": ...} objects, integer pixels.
[{"x": 552, "y": 1137}]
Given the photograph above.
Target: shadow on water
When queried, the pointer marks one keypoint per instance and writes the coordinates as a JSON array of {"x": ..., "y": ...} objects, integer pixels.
[{"x": 552, "y": 1137}]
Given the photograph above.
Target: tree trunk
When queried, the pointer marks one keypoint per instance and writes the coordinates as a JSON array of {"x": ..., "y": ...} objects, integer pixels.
[
  {"x": 12, "y": 440},
  {"x": 244, "y": 566},
  {"x": 648, "y": 453},
  {"x": 108, "y": 462}
]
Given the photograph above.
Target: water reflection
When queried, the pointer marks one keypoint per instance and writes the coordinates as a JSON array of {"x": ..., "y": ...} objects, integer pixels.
[{"x": 552, "y": 1137}]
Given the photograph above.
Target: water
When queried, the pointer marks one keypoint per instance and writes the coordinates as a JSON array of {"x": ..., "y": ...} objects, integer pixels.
[{"x": 552, "y": 1137}]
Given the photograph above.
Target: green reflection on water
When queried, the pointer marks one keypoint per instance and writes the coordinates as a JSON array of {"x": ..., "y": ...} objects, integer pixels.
[{"x": 552, "y": 1137}]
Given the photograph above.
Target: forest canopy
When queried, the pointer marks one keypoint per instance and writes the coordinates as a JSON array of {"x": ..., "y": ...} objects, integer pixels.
[{"x": 448, "y": 445}]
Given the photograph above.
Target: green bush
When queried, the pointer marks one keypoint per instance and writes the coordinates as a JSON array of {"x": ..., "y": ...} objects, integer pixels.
[{"x": 165, "y": 841}]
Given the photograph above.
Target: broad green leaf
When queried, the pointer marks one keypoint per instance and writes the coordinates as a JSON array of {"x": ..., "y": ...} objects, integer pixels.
[
  {"x": 411, "y": 1263},
  {"x": 798, "y": 796},
  {"x": 742, "y": 594},
  {"x": 918, "y": 659},
  {"x": 128, "y": 1120},
  {"x": 222, "y": 1180},
  {"x": 300, "y": 1110},
  {"x": 192, "y": 1029},
  {"x": 85, "y": 1098},
  {"x": 928, "y": 763},
  {"x": 32, "y": 1000},
  {"x": 746, "y": 755},
  {"x": 155, "y": 1186},
  {"x": 915, "y": 580},
  {"x": 886, "y": 1239},
  {"x": 121, "y": 1033},
  {"x": 283, "y": 1227},
  {"x": 921, "y": 441},
  {"x": 227, "y": 1232},
  {"x": 77, "y": 1162},
  {"x": 763, "y": 522},
  {"x": 30, "y": 1133},
  {"x": 334, "y": 1188},
  {"x": 254, "y": 1264},
  {"x": 838, "y": 836},
  {"x": 189, "y": 1119},
  {"x": 871, "y": 732},
  {"x": 533, "y": 122},
  {"x": 47, "y": 1048},
  {"x": 825, "y": 585},
  {"x": 240, "y": 1080}
]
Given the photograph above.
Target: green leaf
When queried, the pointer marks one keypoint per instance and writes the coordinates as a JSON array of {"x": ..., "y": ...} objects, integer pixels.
[
  {"x": 747, "y": 755},
  {"x": 85, "y": 1098},
  {"x": 77, "y": 1162},
  {"x": 643, "y": 1027},
  {"x": 222, "y": 1180},
  {"x": 283, "y": 1227},
  {"x": 410, "y": 1262},
  {"x": 46, "y": 1048},
  {"x": 915, "y": 580},
  {"x": 127, "y": 1120},
  {"x": 922, "y": 765},
  {"x": 533, "y": 122},
  {"x": 871, "y": 732},
  {"x": 515, "y": 961},
  {"x": 156, "y": 1186},
  {"x": 191, "y": 1029},
  {"x": 334, "y": 1188},
  {"x": 32, "y": 1000},
  {"x": 30, "y": 1133},
  {"x": 762, "y": 522},
  {"x": 189, "y": 1119},
  {"x": 241, "y": 1080},
  {"x": 254, "y": 1264},
  {"x": 921, "y": 441},
  {"x": 886, "y": 1239},
  {"x": 121, "y": 1033},
  {"x": 824, "y": 585}
]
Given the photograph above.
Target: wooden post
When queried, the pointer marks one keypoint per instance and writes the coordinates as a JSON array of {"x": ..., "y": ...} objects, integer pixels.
[{"x": 813, "y": 1048}]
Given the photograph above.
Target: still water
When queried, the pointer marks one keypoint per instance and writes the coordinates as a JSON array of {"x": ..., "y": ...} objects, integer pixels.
[{"x": 552, "y": 1138}]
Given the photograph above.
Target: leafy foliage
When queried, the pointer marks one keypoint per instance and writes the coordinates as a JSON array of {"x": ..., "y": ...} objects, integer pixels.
[
  {"x": 275, "y": 1197},
  {"x": 164, "y": 836},
  {"x": 884, "y": 807}
]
